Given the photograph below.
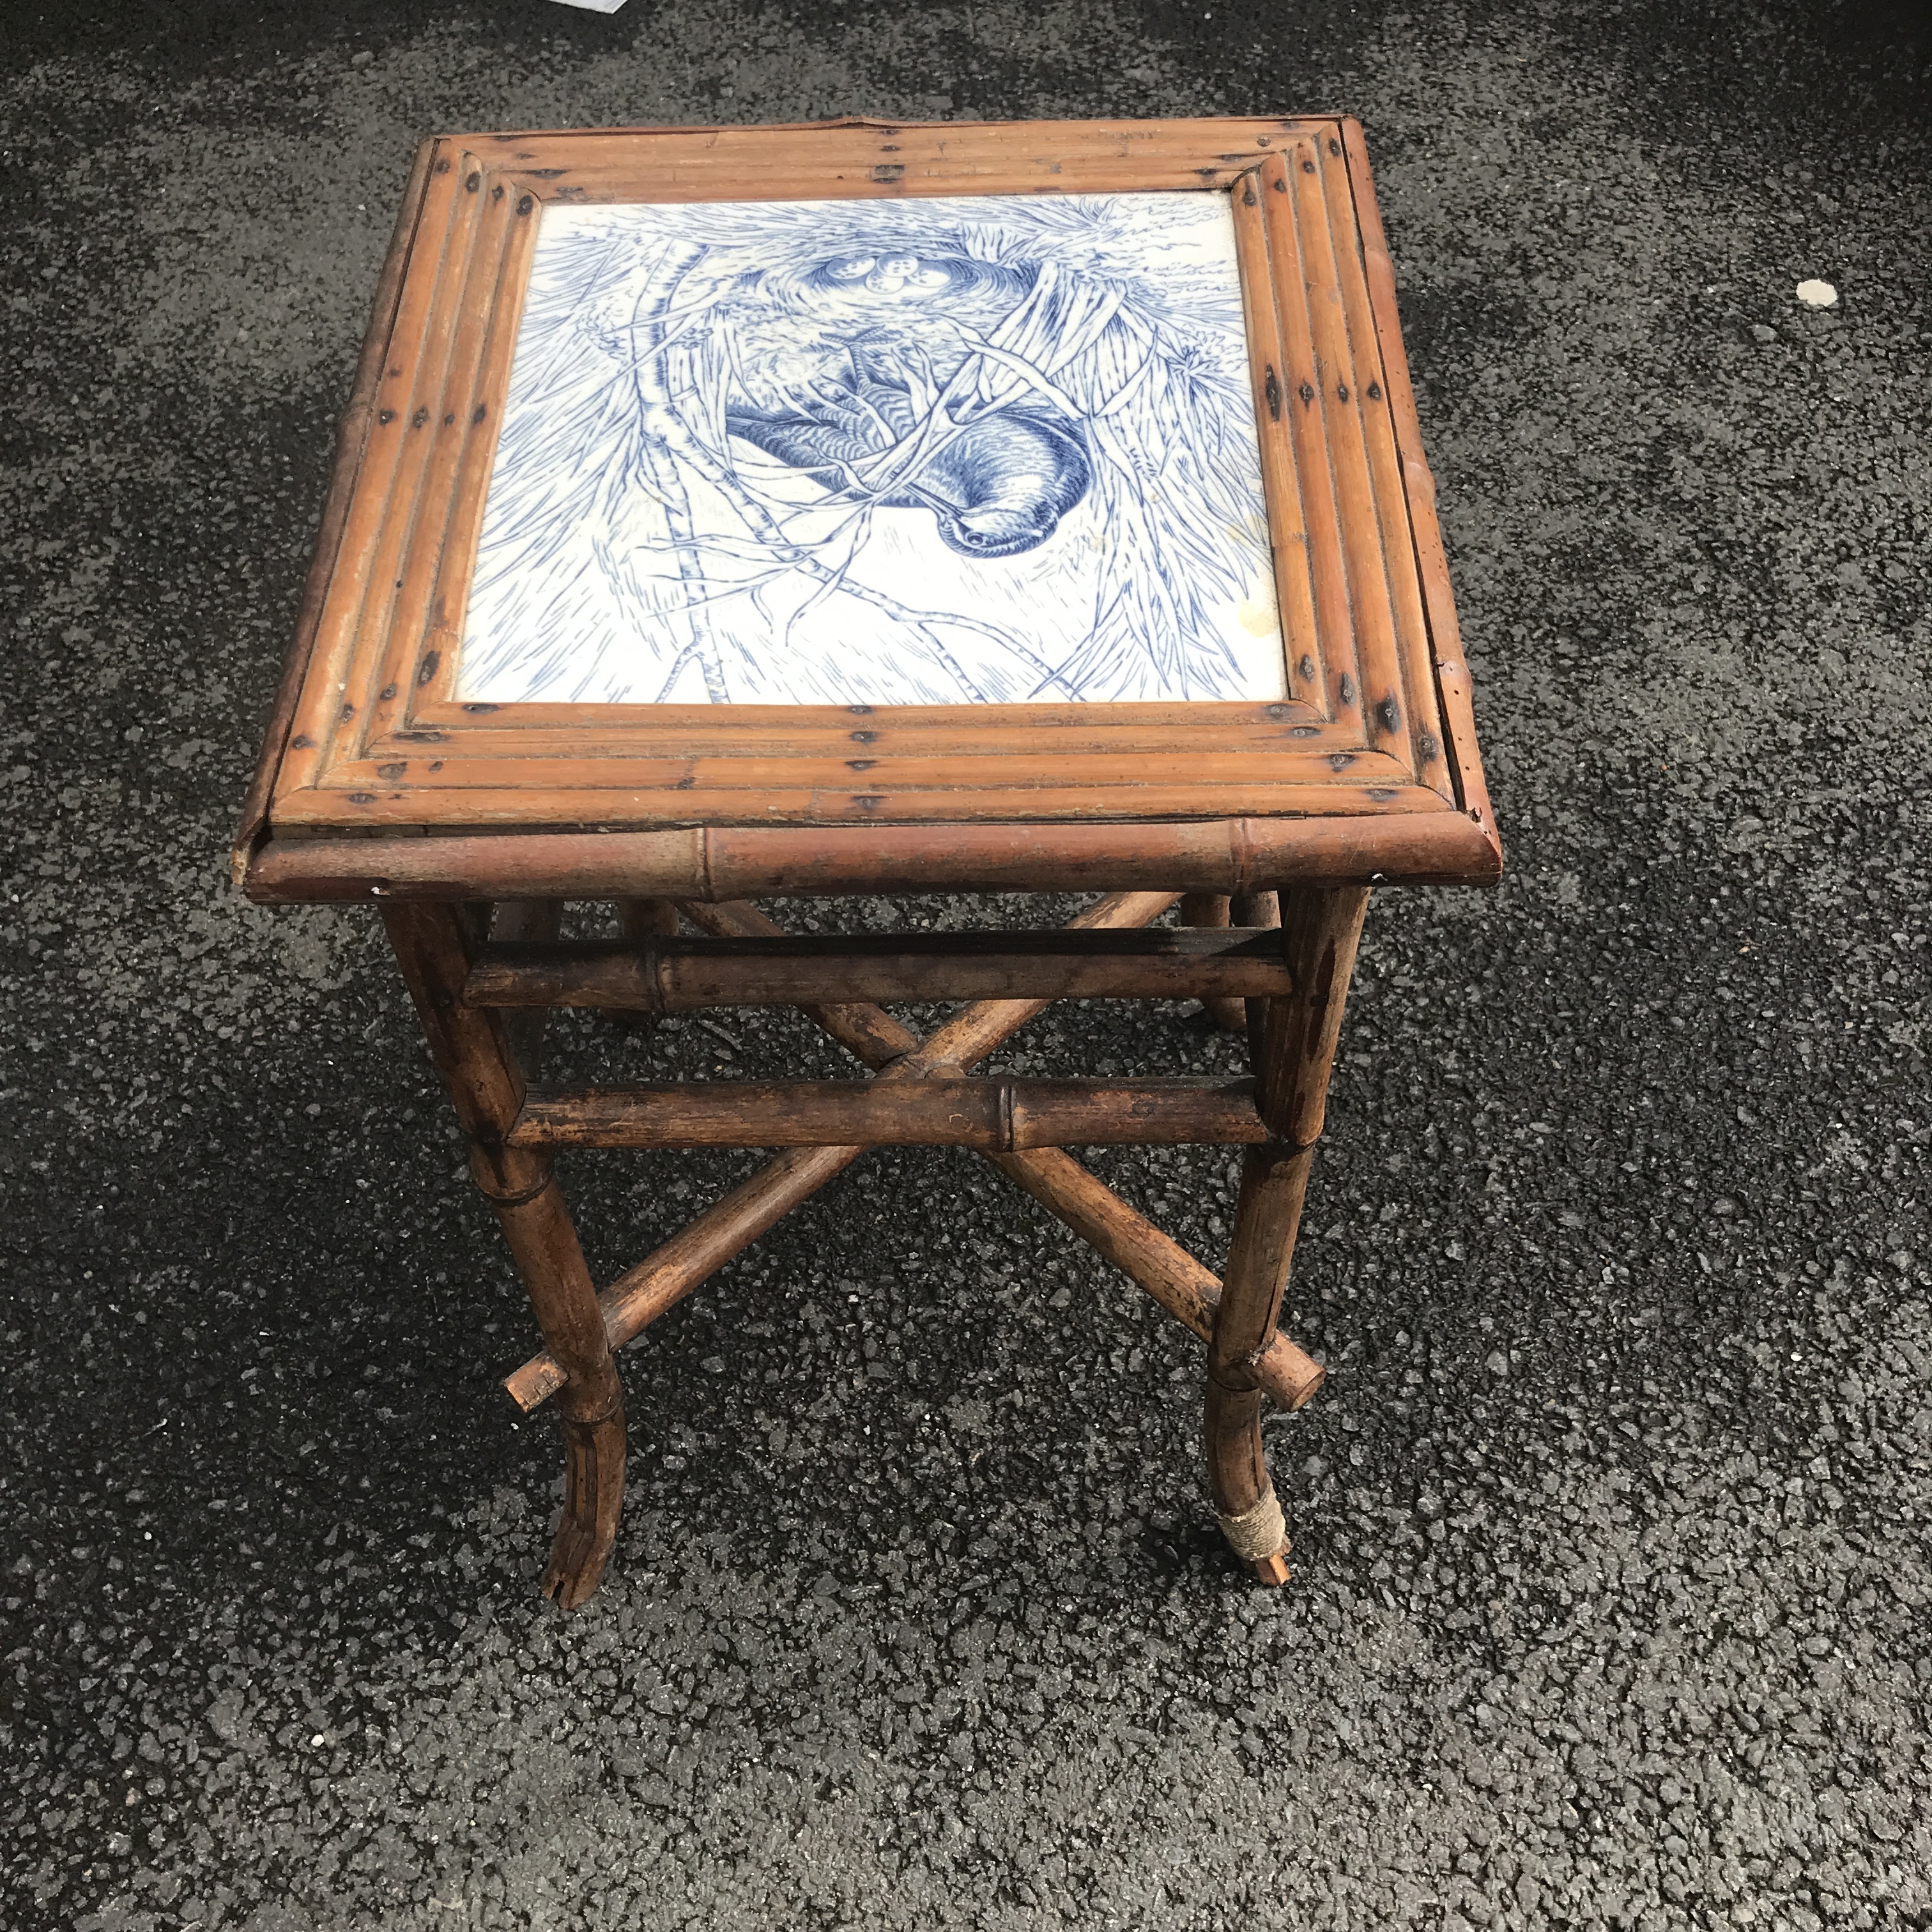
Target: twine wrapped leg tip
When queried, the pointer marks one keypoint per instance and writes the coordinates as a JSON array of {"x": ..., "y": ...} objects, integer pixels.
[{"x": 1259, "y": 1537}]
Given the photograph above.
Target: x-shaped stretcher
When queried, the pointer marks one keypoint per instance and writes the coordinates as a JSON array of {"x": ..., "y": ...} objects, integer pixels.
[{"x": 482, "y": 996}]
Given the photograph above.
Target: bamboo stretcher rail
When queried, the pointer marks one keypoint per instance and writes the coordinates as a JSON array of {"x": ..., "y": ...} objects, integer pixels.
[
  {"x": 671, "y": 975},
  {"x": 1186, "y": 1289},
  {"x": 994, "y": 1116},
  {"x": 1154, "y": 1260}
]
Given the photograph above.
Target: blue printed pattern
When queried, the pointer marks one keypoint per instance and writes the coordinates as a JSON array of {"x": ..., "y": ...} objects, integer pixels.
[{"x": 995, "y": 450}]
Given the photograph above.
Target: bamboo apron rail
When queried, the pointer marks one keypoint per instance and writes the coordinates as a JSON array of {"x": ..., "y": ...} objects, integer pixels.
[{"x": 731, "y": 514}]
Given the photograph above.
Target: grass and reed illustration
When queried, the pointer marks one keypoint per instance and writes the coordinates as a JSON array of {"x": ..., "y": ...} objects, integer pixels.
[{"x": 989, "y": 450}]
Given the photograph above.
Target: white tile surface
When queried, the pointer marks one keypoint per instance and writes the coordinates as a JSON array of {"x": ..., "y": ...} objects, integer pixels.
[{"x": 985, "y": 450}]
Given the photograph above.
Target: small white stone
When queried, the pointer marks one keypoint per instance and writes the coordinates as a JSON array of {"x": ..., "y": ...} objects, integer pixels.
[{"x": 1817, "y": 295}]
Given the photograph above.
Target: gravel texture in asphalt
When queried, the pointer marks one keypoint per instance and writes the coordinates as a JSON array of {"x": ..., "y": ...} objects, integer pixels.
[{"x": 1611, "y": 1605}]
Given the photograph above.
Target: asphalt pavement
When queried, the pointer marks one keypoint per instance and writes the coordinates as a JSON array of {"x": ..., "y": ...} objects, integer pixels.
[{"x": 1611, "y": 1601}]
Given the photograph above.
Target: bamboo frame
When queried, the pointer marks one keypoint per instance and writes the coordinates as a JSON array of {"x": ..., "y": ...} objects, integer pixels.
[
  {"x": 1272, "y": 820},
  {"x": 713, "y": 862}
]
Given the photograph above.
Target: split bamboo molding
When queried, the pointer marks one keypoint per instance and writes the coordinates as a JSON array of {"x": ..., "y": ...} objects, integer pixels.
[
  {"x": 717, "y": 863},
  {"x": 370, "y": 738},
  {"x": 664, "y": 975}
]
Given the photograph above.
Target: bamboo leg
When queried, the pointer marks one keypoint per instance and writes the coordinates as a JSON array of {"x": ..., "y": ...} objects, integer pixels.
[
  {"x": 1273, "y": 1180},
  {"x": 543, "y": 1244},
  {"x": 433, "y": 945},
  {"x": 1296, "y": 1048},
  {"x": 527, "y": 919},
  {"x": 1258, "y": 909},
  {"x": 1213, "y": 909},
  {"x": 639, "y": 920}
]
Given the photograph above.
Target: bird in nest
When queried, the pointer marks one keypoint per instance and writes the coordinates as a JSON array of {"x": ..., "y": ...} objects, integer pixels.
[{"x": 998, "y": 483}]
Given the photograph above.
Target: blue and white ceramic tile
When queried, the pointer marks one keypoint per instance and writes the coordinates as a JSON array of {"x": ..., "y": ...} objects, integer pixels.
[{"x": 996, "y": 450}]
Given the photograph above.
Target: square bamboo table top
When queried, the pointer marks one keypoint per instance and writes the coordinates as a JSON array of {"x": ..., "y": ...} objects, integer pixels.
[{"x": 1034, "y": 484}]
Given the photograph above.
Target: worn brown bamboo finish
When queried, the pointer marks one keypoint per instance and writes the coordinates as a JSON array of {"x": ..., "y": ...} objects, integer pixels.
[
  {"x": 1274, "y": 1179},
  {"x": 667, "y": 1276},
  {"x": 520, "y": 922},
  {"x": 639, "y": 1296},
  {"x": 1118, "y": 1233},
  {"x": 994, "y": 1116},
  {"x": 1326, "y": 397},
  {"x": 1295, "y": 589},
  {"x": 1209, "y": 911},
  {"x": 661, "y": 975},
  {"x": 377, "y": 784},
  {"x": 1261, "y": 909},
  {"x": 1388, "y": 490},
  {"x": 352, "y": 432},
  {"x": 470, "y": 351},
  {"x": 644, "y": 923},
  {"x": 381, "y": 508},
  {"x": 728, "y": 862},
  {"x": 643, "y": 920},
  {"x": 1170, "y": 1274},
  {"x": 1320, "y": 929},
  {"x": 1452, "y": 674}
]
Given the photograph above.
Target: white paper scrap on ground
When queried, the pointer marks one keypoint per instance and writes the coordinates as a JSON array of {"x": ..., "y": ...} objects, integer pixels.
[
  {"x": 593, "y": 6},
  {"x": 1817, "y": 295}
]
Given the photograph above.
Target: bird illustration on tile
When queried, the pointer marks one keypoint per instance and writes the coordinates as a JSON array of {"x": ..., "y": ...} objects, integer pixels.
[{"x": 990, "y": 450}]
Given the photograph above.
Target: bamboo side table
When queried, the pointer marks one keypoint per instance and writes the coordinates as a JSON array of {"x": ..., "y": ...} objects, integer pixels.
[{"x": 724, "y": 514}]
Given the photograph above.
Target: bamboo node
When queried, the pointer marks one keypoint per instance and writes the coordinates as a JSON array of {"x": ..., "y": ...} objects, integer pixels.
[
  {"x": 1259, "y": 1532},
  {"x": 520, "y": 1196}
]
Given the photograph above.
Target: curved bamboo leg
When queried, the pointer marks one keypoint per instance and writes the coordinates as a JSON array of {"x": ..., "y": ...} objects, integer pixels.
[
  {"x": 433, "y": 945},
  {"x": 1294, "y": 1040},
  {"x": 544, "y": 1246}
]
